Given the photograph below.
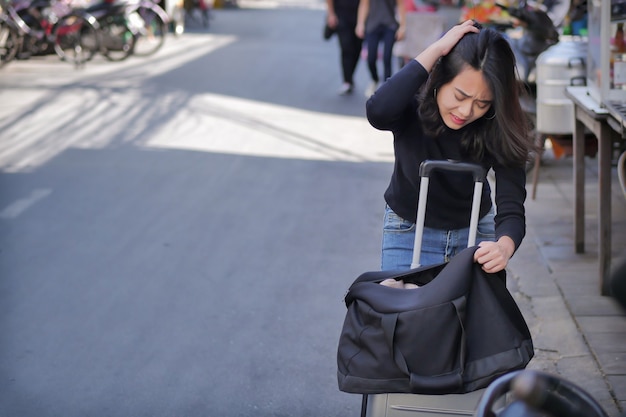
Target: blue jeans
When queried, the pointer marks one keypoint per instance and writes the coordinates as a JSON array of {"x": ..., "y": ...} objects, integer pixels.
[
  {"x": 437, "y": 245},
  {"x": 387, "y": 36}
]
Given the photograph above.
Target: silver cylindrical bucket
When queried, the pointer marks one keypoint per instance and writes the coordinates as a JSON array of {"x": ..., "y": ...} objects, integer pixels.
[{"x": 558, "y": 67}]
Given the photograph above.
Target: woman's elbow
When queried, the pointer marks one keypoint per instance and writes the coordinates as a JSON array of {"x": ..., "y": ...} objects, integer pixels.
[{"x": 376, "y": 115}]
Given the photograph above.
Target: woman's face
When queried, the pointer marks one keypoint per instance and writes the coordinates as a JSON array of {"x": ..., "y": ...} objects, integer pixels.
[{"x": 464, "y": 99}]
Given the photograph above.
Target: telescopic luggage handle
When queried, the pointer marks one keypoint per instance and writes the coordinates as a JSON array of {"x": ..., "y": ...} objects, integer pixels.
[
  {"x": 430, "y": 165},
  {"x": 426, "y": 167}
]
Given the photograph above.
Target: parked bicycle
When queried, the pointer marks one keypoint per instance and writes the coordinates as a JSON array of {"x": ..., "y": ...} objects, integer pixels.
[
  {"x": 149, "y": 24},
  {"x": 50, "y": 26},
  {"x": 10, "y": 38},
  {"x": 130, "y": 27},
  {"x": 117, "y": 39}
]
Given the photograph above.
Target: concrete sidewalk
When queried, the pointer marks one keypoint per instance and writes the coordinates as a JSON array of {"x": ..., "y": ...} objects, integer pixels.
[{"x": 578, "y": 333}]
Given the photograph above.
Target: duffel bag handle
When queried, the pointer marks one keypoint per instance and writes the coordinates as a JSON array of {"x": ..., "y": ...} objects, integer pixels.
[{"x": 439, "y": 384}]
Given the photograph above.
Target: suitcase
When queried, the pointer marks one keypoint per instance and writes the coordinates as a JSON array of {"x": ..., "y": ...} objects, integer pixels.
[{"x": 419, "y": 405}]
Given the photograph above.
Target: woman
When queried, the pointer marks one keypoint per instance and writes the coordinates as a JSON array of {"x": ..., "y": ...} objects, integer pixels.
[
  {"x": 377, "y": 23},
  {"x": 459, "y": 100},
  {"x": 342, "y": 16}
]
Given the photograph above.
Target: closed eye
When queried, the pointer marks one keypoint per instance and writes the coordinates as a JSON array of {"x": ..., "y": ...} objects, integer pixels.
[{"x": 482, "y": 104}]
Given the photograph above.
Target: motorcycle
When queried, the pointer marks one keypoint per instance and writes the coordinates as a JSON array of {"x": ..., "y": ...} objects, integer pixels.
[
  {"x": 530, "y": 31},
  {"x": 537, "y": 394},
  {"x": 538, "y": 34}
]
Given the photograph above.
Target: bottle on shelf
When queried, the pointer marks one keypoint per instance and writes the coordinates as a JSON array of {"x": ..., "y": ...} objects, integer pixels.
[
  {"x": 618, "y": 42},
  {"x": 618, "y": 59}
]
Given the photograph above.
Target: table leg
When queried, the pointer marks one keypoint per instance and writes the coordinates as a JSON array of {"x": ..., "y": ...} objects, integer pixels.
[
  {"x": 605, "y": 149},
  {"x": 540, "y": 141},
  {"x": 579, "y": 185}
]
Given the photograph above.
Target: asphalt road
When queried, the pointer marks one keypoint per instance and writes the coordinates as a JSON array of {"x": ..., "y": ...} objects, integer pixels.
[{"x": 177, "y": 233}]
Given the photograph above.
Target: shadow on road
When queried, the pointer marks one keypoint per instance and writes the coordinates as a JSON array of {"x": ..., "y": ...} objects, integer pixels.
[
  {"x": 176, "y": 234},
  {"x": 161, "y": 283}
]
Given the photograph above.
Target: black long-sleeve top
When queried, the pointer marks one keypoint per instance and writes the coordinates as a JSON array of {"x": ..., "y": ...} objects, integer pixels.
[{"x": 394, "y": 107}]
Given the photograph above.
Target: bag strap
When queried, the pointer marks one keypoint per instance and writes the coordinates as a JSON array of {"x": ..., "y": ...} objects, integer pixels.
[
  {"x": 452, "y": 382},
  {"x": 388, "y": 323},
  {"x": 441, "y": 383}
]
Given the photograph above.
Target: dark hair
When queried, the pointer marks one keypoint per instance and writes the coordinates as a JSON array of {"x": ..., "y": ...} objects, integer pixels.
[{"x": 504, "y": 131}]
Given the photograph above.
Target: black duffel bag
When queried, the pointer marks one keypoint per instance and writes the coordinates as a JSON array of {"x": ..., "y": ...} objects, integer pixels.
[{"x": 456, "y": 333}]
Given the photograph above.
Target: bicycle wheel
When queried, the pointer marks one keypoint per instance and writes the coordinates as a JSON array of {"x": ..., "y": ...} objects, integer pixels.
[
  {"x": 9, "y": 43},
  {"x": 117, "y": 39},
  {"x": 76, "y": 38},
  {"x": 149, "y": 27}
]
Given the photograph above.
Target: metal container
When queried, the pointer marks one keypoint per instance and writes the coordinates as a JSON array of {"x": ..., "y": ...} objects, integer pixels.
[{"x": 558, "y": 67}]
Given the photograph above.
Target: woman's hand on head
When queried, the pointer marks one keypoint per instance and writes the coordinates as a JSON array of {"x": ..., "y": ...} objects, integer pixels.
[
  {"x": 454, "y": 35},
  {"x": 444, "y": 45},
  {"x": 494, "y": 256}
]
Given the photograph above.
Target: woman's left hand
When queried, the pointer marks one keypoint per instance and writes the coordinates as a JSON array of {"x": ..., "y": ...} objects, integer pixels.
[{"x": 494, "y": 256}]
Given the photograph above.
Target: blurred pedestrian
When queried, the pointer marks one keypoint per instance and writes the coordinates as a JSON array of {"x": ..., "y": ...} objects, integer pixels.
[
  {"x": 380, "y": 21},
  {"x": 457, "y": 100},
  {"x": 342, "y": 16}
]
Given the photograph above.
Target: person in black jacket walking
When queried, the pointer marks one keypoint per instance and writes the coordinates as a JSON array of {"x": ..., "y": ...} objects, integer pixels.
[
  {"x": 342, "y": 16},
  {"x": 457, "y": 100}
]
